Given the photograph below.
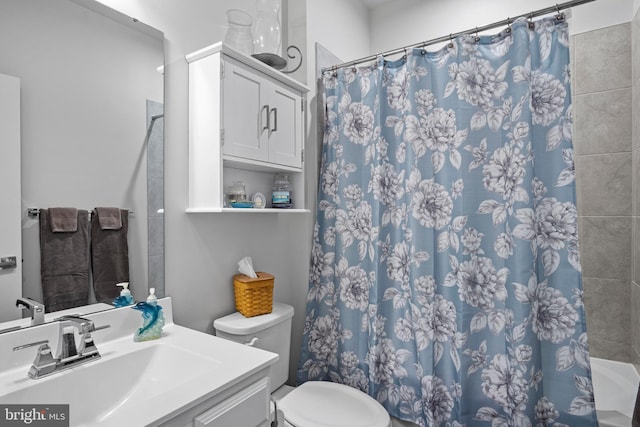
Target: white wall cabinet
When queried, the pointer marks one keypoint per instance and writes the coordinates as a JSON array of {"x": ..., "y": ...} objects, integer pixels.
[
  {"x": 261, "y": 118},
  {"x": 246, "y": 123}
]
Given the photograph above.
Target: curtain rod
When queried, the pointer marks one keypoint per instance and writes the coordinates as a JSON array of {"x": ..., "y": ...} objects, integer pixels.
[{"x": 506, "y": 22}]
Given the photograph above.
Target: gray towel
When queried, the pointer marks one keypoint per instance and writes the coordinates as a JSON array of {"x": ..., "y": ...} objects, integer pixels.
[
  {"x": 64, "y": 263},
  {"x": 109, "y": 257},
  {"x": 63, "y": 220},
  {"x": 109, "y": 218}
]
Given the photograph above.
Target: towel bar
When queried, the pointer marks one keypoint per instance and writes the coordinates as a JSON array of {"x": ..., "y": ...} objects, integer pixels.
[
  {"x": 34, "y": 212},
  {"x": 8, "y": 262}
]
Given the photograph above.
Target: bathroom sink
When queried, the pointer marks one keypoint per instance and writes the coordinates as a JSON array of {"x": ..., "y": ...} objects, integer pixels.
[
  {"x": 122, "y": 383},
  {"x": 133, "y": 383}
]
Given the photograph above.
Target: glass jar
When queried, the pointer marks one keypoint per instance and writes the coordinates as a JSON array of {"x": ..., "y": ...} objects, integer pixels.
[
  {"x": 281, "y": 195},
  {"x": 267, "y": 36},
  {"x": 238, "y": 35},
  {"x": 236, "y": 192}
]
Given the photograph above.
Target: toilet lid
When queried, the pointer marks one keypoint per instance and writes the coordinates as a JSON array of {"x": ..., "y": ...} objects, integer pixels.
[{"x": 327, "y": 404}]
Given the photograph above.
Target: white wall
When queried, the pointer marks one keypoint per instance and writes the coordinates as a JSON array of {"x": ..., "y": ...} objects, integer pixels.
[
  {"x": 340, "y": 26},
  {"x": 425, "y": 20}
]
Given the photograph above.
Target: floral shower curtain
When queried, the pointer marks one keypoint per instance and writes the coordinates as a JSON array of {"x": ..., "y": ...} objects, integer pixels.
[{"x": 445, "y": 276}]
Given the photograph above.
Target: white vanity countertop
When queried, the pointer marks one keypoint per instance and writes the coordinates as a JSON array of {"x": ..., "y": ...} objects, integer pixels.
[{"x": 153, "y": 380}]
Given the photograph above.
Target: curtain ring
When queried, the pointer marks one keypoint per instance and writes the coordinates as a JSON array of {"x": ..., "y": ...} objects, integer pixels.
[
  {"x": 477, "y": 38},
  {"x": 560, "y": 15},
  {"x": 508, "y": 25},
  {"x": 450, "y": 40},
  {"x": 353, "y": 67},
  {"x": 423, "y": 51},
  {"x": 530, "y": 21},
  {"x": 405, "y": 53}
]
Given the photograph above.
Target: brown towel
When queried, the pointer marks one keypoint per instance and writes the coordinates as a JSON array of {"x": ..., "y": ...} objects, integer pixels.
[
  {"x": 63, "y": 220},
  {"x": 64, "y": 263},
  {"x": 109, "y": 257},
  {"x": 109, "y": 218}
]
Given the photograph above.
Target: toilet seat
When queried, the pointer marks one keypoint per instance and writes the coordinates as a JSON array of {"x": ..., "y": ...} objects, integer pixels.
[{"x": 328, "y": 404}]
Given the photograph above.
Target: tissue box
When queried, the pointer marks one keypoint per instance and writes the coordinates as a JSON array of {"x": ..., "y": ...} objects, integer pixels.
[{"x": 253, "y": 296}]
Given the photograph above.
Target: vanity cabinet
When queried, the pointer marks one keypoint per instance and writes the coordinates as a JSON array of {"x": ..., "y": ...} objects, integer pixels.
[
  {"x": 246, "y": 123},
  {"x": 244, "y": 404},
  {"x": 248, "y": 407}
]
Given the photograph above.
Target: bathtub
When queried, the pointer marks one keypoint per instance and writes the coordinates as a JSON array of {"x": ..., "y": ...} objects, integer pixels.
[{"x": 615, "y": 385}]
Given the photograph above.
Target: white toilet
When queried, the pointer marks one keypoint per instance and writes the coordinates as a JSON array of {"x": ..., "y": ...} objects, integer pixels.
[{"x": 314, "y": 403}]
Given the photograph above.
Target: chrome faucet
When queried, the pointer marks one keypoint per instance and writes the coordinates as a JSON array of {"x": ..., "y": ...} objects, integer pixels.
[
  {"x": 69, "y": 354},
  {"x": 35, "y": 308}
]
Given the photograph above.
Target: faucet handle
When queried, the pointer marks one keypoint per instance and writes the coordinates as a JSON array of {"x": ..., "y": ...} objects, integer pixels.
[
  {"x": 31, "y": 344},
  {"x": 44, "y": 363},
  {"x": 87, "y": 346},
  {"x": 98, "y": 328}
]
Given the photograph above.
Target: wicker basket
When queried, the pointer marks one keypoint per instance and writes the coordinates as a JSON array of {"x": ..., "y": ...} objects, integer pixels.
[{"x": 253, "y": 296}]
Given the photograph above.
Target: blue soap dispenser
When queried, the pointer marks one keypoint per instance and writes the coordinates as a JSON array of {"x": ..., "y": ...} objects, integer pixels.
[
  {"x": 152, "y": 318},
  {"x": 125, "y": 297}
]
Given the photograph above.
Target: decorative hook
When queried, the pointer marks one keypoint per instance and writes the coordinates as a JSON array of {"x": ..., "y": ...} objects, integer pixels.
[{"x": 293, "y": 70}]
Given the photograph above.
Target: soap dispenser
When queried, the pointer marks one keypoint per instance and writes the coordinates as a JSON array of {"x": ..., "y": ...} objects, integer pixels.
[
  {"x": 125, "y": 297},
  {"x": 152, "y": 318}
]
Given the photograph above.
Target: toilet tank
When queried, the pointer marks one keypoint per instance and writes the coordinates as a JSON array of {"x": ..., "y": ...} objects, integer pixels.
[{"x": 270, "y": 332}]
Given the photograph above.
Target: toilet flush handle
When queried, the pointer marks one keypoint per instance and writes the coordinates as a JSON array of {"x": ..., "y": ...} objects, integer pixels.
[{"x": 253, "y": 342}]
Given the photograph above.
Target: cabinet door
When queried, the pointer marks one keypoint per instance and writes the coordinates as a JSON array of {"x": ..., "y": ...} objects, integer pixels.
[
  {"x": 245, "y": 113},
  {"x": 285, "y": 127},
  {"x": 247, "y": 408}
]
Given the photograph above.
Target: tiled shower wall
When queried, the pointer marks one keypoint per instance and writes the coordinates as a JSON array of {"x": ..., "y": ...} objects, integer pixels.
[
  {"x": 602, "y": 100},
  {"x": 635, "y": 271}
]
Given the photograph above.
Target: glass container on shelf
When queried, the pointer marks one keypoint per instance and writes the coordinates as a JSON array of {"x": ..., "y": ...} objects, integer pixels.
[
  {"x": 238, "y": 35},
  {"x": 267, "y": 38},
  {"x": 236, "y": 193},
  {"x": 281, "y": 195}
]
